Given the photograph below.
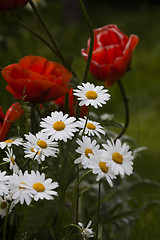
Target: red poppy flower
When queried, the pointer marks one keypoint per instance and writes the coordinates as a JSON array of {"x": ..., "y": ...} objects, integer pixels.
[
  {"x": 13, "y": 113},
  {"x": 35, "y": 79},
  {"x": 8, "y": 4},
  {"x": 112, "y": 53},
  {"x": 72, "y": 105}
]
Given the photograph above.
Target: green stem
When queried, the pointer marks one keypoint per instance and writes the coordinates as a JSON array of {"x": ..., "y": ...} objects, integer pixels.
[
  {"x": 74, "y": 195},
  {"x": 91, "y": 40},
  {"x": 32, "y": 32},
  {"x": 5, "y": 222},
  {"x": 77, "y": 195},
  {"x": 126, "y": 106},
  {"x": 98, "y": 207},
  {"x": 58, "y": 52},
  {"x": 87, "y": 116}
]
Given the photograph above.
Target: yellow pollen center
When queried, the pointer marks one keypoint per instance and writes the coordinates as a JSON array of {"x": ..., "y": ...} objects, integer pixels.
[
  {"x": 39, "y": 187},
  {"x": 3, "y": 205},
  {"x": 103, "y": 167},
  {"x": 59, "y": 126},
  {"x": 117, "y": 157},
  {"x": 32, "y": 150},
  {"x": 91, "y": 94},
  {"x": 91, "y": 126},
  {"x": 22, "y": 187},
  {"x": 42, "y": 144},
  {"x": 9, "y": 141},
  {"x": 12, "y": 160},
  {"x": 88, "y": 151}
]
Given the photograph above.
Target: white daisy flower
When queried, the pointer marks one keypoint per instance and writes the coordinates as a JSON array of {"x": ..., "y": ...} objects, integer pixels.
[
  {"x": 99, "y": 166},
  {"x": 40, "y": 144},
  {"x": 92, "y": 127},
  {"x": 86, "y": 147},
  {"x": 86, "y": 231},
  {"x": 11, "y": 159},
  {"x": 59, "y": 126},
  {"x": 118, "y": 157},
  {"x": 88, "y": 94},
  {"x": 42, "y": 189},
  {"x": 19, "y": 188},
  {"x": 12, "y": 141},
  {"x": 3, "y": 183},
  {"x": 4, "y": 205}
]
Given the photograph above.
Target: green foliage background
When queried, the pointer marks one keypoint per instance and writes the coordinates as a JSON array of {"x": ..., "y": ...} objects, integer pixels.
[{"x": 141, "y": 83}]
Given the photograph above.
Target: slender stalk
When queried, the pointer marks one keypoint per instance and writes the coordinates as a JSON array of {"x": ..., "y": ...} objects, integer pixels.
[
  {"x": 126, "y": 106},
  {"x": 87, "y": 116},
  {"x": 58, "y": 52},
  {"x": 74, "y": 195},
  {"x": 89, "y": 24},
  {"x": 98, "y": 207},
  {"x": 77, "y": 195},
  {"x": 32, "y": 32},
  {"x": 5, "y": 222}
]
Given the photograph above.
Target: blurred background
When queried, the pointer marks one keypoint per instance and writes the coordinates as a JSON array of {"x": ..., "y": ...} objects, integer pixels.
[{"x": 142, "y": 83}]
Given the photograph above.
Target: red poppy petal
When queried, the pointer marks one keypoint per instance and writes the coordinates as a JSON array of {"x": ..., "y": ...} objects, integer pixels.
[{"x": 13, "y": 113}]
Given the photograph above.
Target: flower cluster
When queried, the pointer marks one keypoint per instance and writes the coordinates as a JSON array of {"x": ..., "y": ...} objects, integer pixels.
[{"x": 59, "y": 130}]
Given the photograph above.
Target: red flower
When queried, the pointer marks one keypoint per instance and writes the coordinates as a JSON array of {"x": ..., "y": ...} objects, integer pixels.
[
  {"x": 112, "y": 53},
  {"x": 72, "y": 105},
  {"x": 35, "y": 79},
  {"x": 7, "y": 4},
  {"x": 13, "y": 113}
]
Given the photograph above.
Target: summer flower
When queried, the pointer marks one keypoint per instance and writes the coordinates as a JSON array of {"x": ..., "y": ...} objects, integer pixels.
[
  {"x": 13, "y": 113},
  {"x": 92, "y": 128},
  {"x": 10, "y": 142},
  {"x": 86, "y": 147},
  {"x": 86, "y": 231},
  {"x": 11, "y": 159},
  {"x": 35, "y": 79},
  {"x": 19, "y": 189},
  {"x": 118, "y": 157},
  {"x": 40, "y": 144},
  {"x": 42, "y": 188},
  {"x": 3, "y": 183},
  {"x": 88, "y": 94},
  {"x": 112, "y": 53},
  {"x": 99, "y": 166},
  {"x": 59, "y": 126},
  {"x": 4, "y": 205}
]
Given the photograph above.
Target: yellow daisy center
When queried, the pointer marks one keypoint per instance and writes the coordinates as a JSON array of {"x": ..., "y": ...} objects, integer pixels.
[
  {"x": 32, "y": 150},
  {"x": 88, "y": 151},
  {"x": 59, "y": 126},
  {"x": 103, "y": 167},
  {"x": 22, "y": 187},
  {"x": 91, "y": 126},
  {"x": 3, "y": 205},
  {"x": 39, "y": 187},
  {"x": 9, "y": 141},
  {"x": 117, "y": 157},
  {"x": 12, "y": 160},
  {"x": 42, "y": 144},
  {"x": 91, "y": 94}
]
